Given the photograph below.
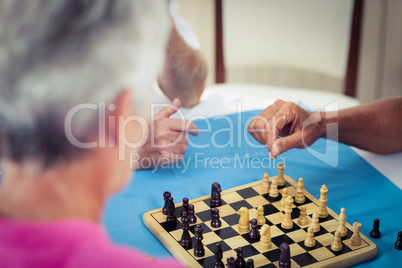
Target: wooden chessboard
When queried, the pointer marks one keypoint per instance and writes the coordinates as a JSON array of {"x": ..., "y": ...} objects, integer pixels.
[{"x": 250, "y": 196}]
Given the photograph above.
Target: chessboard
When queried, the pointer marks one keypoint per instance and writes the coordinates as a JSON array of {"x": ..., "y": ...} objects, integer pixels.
[{"x": 251, "y": 196}]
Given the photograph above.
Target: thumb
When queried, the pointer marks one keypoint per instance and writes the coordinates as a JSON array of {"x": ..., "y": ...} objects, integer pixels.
[
  {"x": 169, "y": 109},
  {"x": 284, "y": 144}
]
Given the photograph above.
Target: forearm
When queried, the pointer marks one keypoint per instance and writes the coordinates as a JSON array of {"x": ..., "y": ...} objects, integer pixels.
[
  {"x": 375, "y": 127},
  {"x": 184, "y": 72}
]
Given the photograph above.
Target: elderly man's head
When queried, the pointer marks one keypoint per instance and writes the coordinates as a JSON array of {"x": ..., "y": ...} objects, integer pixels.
[{"x": 57, "y": 54}]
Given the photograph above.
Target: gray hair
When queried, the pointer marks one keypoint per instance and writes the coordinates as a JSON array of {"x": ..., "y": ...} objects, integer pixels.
[{"x": 56, "y": 54}]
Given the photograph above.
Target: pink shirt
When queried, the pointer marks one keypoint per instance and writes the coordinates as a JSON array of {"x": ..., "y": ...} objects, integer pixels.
[{"x": 67, "y": 243}]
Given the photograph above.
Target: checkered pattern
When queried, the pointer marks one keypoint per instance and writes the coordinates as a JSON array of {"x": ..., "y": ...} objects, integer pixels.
[{"x": 230, "y": 238}]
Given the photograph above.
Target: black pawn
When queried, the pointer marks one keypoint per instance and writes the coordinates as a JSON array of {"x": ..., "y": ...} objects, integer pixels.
[
  {"x": 250, "y": 263},
  {"x": 284, "y": 258},
  {"x": 216, "y": 195},
  {"x": 398, "y": 243},
  {"x": 166, "y": 196},
  {"x": 199, "y": 247},
  {"x": 254, "y": 233},
  {"x": 375, "y": 233},
  {"x": 184, "y": 207},
  {"x": 216, "y": 222},
  {"x": 185, "y": 240},
  {"x": 171, "y": 217},
  {"x": 231, "y": 262},
  {"x": 240, "y": 262},
  {"x": 191, "y": 217},
  {"x": 219, "y": 256}
]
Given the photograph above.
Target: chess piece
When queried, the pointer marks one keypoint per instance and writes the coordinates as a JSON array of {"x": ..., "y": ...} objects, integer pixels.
[
  {"x": 216, "y": 200},
  {"x": 240, "y": 262},
  {"x": 310, "y": 241},
  {"x": 218, "y": 257},
  {"x": 398, "y": 243},
  {"x": 231, "y": 262},
  {"x": 185, "y": 240},
  {"x": 314, "y": 223},
  {"x": 244, "y": 221},
  {"x": 184, "y": 206},
  {"x": 166, "y": 196},
  {"x": 300, "y": 198},
  {"x": 273, "y": 192},
  {"x": 171, "y": 217},
  {"x": 260, "y": 216},
  {"x": 322, "y": 210},
  {"x": 191, "y": 216},
  {"x": 265, "y": 240},
  {"x": 216, "y": 222},
  {"x": 281, "y": 179},
  {"x": 199, "y": 247},
  {"x": 265, "y": 183},
  {"x": 284, "y": 258},
  {"x": 342, "y": 222},
  {"x": 375, "y": 233},
  {"x": 284, "y": 196},
  {"x": 355, "y": 239},
  {"x": 303, "y": 220},
  {"x": 253, "y": 234},
  {"x": 337, "y": 244},
  {"x": 250, "y": 263},
  {"x": 287, "y": 222}
]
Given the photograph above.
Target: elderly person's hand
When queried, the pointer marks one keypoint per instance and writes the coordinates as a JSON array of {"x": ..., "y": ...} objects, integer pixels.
[
  {"x": 297, "y": 127},
  {"x": 167, "y": 139}
]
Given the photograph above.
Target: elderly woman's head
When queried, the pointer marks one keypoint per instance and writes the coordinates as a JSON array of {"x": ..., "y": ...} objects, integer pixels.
[{"x": 65, "y": 64}]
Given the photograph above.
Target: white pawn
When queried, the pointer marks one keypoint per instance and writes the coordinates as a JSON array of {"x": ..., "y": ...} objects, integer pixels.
[
  {"x": 303, "y": 220},
  {"x": 310, "y": 241},
  {"x": 273, "y": 192},
  {"x": 314, "y": 223},
  {"x": 265, "y": 183},
  {"x": 260, "y": 216},
  {"x": 355, "y": 239},
  {"x": 342, "y": 222},
  {"x": 300, "y": 198},
  {"x": 265, "y": 237},
  {"x": 284, "y": 196},
  {"x": 280, "y": 178},
  {"x": 337, "y": 244}
]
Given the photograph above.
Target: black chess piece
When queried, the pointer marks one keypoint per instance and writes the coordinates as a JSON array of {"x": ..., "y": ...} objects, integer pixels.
[
  {"x": 398, "y": 243},
  {"x": 375, "y": 233},
  {"x": 240, "y": 262},
  {"x": 185, "y": 240},
  {"x": 171, "y": 218},
  {"x": 184, "y": 206},
  {"x": 284, "y": 258},
  {"x": 199, "y": 247},
  {"x": 166, "y": 196},
  {"x": 231, "y": 262},
  {"x": 191, "y": 216},
  {"x": 254, "y": 233},
  {"x": 250, "y": 263},
  {"x": 219, "y": 256},
  {"x": 216, "y": 222},
  {"x": 216, "y": 195}
]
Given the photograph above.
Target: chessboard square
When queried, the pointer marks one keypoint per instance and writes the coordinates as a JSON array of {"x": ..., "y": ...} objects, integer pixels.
[
  {"x": 208, "y": 202},
  {"x": 321, "y": 220},
  {"x": 273, "y": 255},
  {"x": 208, "y": 253},
  {"x": 226, "y": 210},
  {"x": 200, "y": 206},
  {"x": 204, "y": 216},
  {"x": 226, "y": 233},
  {"x": 292, "y": 264},
  {"x": 247, "y": 192},
  {"x": 159, "y": 216},
  {"x": 207, "y": 261},
  {"x": 295, "y": 213},
  {"x": 317, "y": 245},
  {"x": 298, "y": 235},
  {"x": 260, "y": 260},
  {"x": 278, "y": 240},
  {"x": 294, "y": 228},
  {"x": 330, "y": 226},
  {"x": 210, "y": 238},
  {"x": 275, "y": 218},
  {"x": 257, "y": 188},
  {"x": 232, "y": 197},
  {"x": 231, "y": 219},
  {"x": 257, "y": 245},
  {"x": 212, "y": 247},
  {"x": 257, "y": 201},
  {"x": 311, "y": 208},
  {"x": 253, "y": 213},
  {"x": 205, "y": 228},
  {"x": 348, "y": 242},
  {"x": 320, "y": 232},
  {"x": 237, "y": 241},
  {"x": 321, "y": 253},
  {"x": 270, "y": 265},
  {"x": 272, "y": 199},
  {"x": 291, "y": 191},
  {"x": 249, "y": 239},
  {"x": 178, "y": 233},
  {"x": 242, "y": 203},
  {"x": 304, "y": 259},
  {"x": 345, "y": 249},
  {"x": 249, "y": 251},
  {"x": 325, "y": 239},
  {"x": 270, "y": 209},
  {"x": 295, "y": 221},
  {"x": 295, "y": 249},
  {"x": 275, "y": 231},
  {"x": 347, "y": 236},
  {"x": 224, "y": 224},
  {"x": 306, "y": 202},
  {"x": 171, "y": 227}
]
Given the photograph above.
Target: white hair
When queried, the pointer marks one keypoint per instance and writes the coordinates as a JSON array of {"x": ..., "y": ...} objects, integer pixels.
[{"x": 55, "y": 54}]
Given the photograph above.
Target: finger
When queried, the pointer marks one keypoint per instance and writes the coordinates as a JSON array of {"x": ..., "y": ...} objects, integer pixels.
[
  {"x": 179, "y": 148},
  {"x": 169, "y": 109},
  {"x": 183, "y": 125},
  {"x": 283, "y": 116},
  {"x": 284, "y": 144},
  {"x": 257, "y": 129},
  {"x": 172, "y": 137}
]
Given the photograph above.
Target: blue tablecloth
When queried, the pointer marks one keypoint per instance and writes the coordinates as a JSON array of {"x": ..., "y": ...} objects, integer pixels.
[{"x": 229, "y": 156}]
